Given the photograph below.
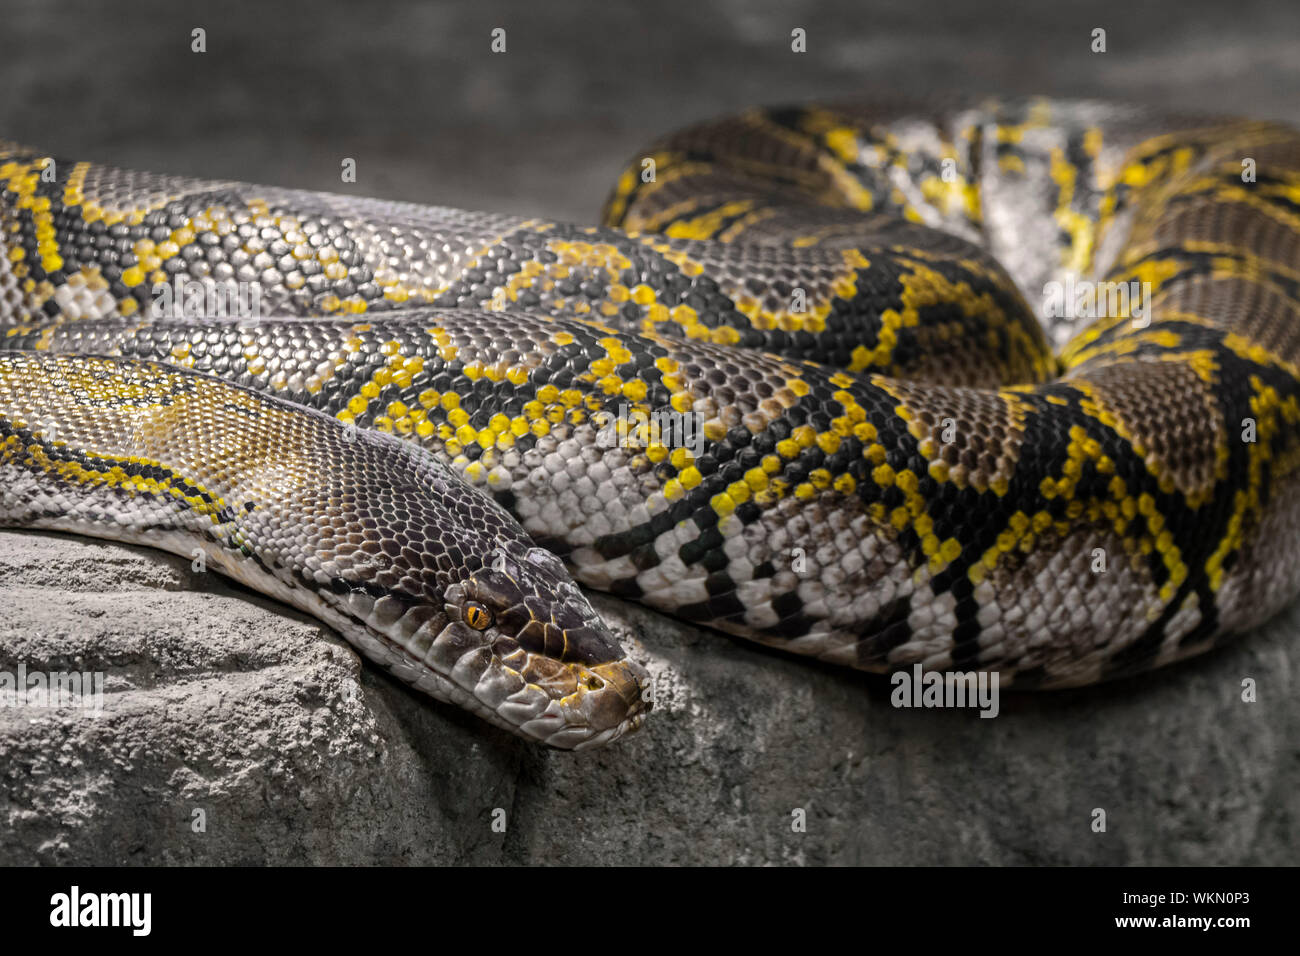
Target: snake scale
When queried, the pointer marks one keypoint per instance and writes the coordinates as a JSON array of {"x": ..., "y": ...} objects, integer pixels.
[{"x": 807, "y": 385}]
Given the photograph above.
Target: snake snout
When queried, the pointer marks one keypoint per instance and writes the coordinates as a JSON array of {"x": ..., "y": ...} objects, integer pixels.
[
  {"x": 612, "y": 694},
  {"x": 563, "y": 676},
  {"x": 619, "y": 694},
  {"x": 611, "y": 700},
  {"x": 586, "y": 638}
]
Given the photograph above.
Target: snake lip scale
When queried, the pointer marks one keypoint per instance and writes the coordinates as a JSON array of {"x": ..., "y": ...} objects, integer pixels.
[{"x": 908, "y": 455}]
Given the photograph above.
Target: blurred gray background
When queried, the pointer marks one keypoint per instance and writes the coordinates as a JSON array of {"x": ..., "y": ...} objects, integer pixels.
[
  {"x": 1189, "y": 773},
  {"x": 414, "y": 93}
]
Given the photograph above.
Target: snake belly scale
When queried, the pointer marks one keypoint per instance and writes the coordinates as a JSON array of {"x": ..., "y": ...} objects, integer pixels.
[{"x": 440, "y": 420}]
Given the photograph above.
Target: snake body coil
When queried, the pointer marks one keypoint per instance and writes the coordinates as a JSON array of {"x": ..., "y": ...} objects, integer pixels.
[{"x": 804, "y": 400}]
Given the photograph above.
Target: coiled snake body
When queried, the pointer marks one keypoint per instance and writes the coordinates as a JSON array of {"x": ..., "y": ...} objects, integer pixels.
[{"x": 803, "y": 400}]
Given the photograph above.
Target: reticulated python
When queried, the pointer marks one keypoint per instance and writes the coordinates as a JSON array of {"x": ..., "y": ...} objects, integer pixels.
[{"x": 804, "y": 400}]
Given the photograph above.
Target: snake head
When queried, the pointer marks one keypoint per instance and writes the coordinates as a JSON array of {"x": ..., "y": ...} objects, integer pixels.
[
  {"x": 538, "y": 653},
  {"x": 439, "y": 584},
  {"x": 518, "y": 643}
]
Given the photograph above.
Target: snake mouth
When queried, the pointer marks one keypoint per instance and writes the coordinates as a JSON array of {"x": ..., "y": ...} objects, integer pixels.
[
  {"x": 586, "y": 706},
  {"x": 545, "y": 666},
  {"x": 568, "y": 705}
]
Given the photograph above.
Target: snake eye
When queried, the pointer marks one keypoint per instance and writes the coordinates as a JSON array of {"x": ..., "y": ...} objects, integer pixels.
[{"x": 477, "y": 616}]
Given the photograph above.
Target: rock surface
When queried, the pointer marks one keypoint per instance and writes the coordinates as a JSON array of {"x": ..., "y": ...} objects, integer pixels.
[{"x": 221, "y": 701}]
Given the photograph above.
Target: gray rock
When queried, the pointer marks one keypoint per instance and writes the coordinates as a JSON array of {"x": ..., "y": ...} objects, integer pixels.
[{"x": 221, "y": 701}]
